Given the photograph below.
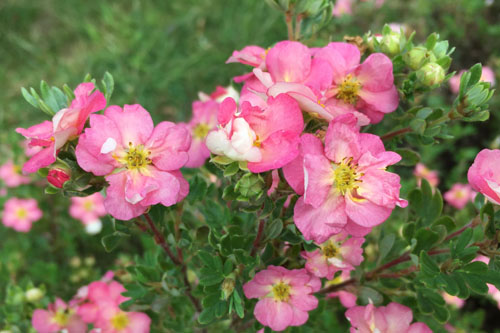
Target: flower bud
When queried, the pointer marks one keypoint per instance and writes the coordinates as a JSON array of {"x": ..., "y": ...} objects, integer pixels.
[
  {"x": 418, "y": 56},
  {"x": 431, "y": 74},
  {"x": 228, "y": 287},
  {"x": 390, "y": 43},
  {"x": 34, "y": 295},
  {"x": 58, "y": 176},
  {"x": 250, "y": 186}
]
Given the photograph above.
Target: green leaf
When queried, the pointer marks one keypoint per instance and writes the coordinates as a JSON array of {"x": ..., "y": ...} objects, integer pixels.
[
  {"x": 408, "y": 156},
  {"x": 30, "y": 99},
  {"x": 207, "y": 315},
  {"x": 228, "y": 267},
  {"x": 369, "y": 295},
  {"x": 231, "y": 169},
  {"x": 210, "y": 300},
  {"x": 418, "y": 125},
  {"x": 51, "y": 190},
  {"x": 108, "y": 84},
  {"x": 238, "y": 304},
  {"x": 427, "y": 265},
  {"x": 110, "y": 242},
  {"x": 463, "y": 240},
  {"x": 450, "y": 285},
  {"x": 431, "y": 41},
  {"x": 197, "y": 189},
  {"x": 475, "y": 282},
  {"x": 209, "y": 276},
  {"x": 445, "y": 221},
  {"x": 425, "y": 240},
  {"x": 206, "y": 258},
  {"x": 475, "y": 74},
  {"x": 272, "y": 229},
  {"x": 409, "y": 231},
  {"x": 385, "y": 246}
]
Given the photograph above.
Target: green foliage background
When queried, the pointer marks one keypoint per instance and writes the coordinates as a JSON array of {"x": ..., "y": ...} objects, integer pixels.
[{"x": 161, "y": 53}]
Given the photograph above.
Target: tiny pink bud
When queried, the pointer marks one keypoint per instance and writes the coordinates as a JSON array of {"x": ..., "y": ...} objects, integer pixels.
[{"x": 57, "y": 177}]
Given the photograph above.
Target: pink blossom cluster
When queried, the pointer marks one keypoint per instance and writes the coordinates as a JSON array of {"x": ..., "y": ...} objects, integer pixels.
[
  {"x": 88, "y": 210},
  {"x": 96, "y": 304},
  {"x": 393, "y": 318},
  {"x": 20, "y": 214}
]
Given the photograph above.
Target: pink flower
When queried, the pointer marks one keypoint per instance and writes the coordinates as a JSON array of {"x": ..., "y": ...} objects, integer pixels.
[
  {"x": 342, "y": 7},
  {"x": 204, "y": 120},
  {"x": 58, "y": 176},
  {"x": 252, "y": 55},
  {"x": 346, "y": 185},
  {"x": 88, "y": 210},
  {"x": 367, "y": 87},
  {"x": 459, "y": 195},
  {"x": 422, "y": 172},
  {"x": 453, "y": 300},
  {"x": 220, "y": 94},
  {"x": 285, "y": 296},
  {"x": 393, "y": 318},
  {"x": 100, "y": 307},
  {"x": 19, "y": 214},
  {"x": 267, "y": 138},
  {"x": 11, "y": 175},
  {"x": 66, "y": 125},
  {"x": 141, "y": 162},
  {"x": 30, "y": 150},
  {"x": 57, "y": 317},
  {"x": 488, "y": 75},
  {"x": 484, "y": 174},
  {"x": 336, "y": 254}
]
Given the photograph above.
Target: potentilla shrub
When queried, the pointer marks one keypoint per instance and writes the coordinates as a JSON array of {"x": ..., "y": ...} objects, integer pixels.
[{"x": 293, "y": 196}]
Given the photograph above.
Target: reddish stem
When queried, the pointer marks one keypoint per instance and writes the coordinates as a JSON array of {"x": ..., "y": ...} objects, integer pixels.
[
  {"x": 391, "y": 135},
  {"x": 256, "y": 242}
]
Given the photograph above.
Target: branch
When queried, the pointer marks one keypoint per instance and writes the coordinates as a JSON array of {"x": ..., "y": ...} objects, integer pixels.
[
  {"x": 256, "y": 242},
  {"x": 391, "y": 135},
  {"x": 179, "y": 261}
]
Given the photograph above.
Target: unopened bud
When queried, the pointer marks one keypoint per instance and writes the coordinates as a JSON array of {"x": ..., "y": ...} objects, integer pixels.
[
  {"x": 58, "y": 176},
  {"x": 390, "y": 43},
  {"x": 89, "y": 261},
  {"x": 418, "y": 56},
  {"x": 34, "y": 295},
  {"x": 228, "y": 287},
  {"x": 431, "y": 74}
]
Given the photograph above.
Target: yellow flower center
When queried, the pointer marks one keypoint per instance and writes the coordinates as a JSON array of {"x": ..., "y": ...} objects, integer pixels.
[
  {"x": 88, "y": 206},
  {"x": 60, "y": 318},
  {"x": 348, "y": 90},
  {"x": 120, "y": 321},
  {"x": 201, "y": 130},
  {"x": 257, "y": 143},
  {"x": 281, "y": 292},
  {"x": 21, "y": 213},
  {"x": 136, "y": 157},
  {"x": 330, "y": 250},
  {"x": 346, "y": 177}
]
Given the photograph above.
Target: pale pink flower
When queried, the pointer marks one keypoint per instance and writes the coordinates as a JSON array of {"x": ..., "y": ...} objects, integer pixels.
[
  {"x": 19, "y": 214},
  {"x": 347, "y": 299},
  {"x": 488, "y": 75},
  {"x": 285, "y": 296},
  {"x": 453, "y": 300},
  {"x": 66, "y": 125},
  {"x": 11, "y": 175},
  {"x": 422, "y": 172},
  {"x": 342, "y": 7},
  {"x": 88, "y": 210},
  {"x": 141, "y": 162},
  {"x": 267, "y": 138},
  {"x": 484, "y": 174},
  {"x": 203, "y": 121},
  {"x": 367, "y": 87},
  {"x": 459, "y": 195},
  {"x": 220, "y": 94},
  {"x": 346, "y": 185},
  {"x": 252, "y": 55},
  {"x": 339, "y": 253},
  {"x": 57, "y": 317},
  {"x": 393, "y": 318},
  {"x": 113, "y": 320}
]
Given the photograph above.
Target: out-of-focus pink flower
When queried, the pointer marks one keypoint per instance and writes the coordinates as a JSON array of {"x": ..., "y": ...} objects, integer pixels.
[
  {"x": 459, "y": 195},
  {"x": 220, "y": 94},
  {"x": 367, "y": 87},
  {"x": 342, "y": 7},
  {"x": 267, "y": 138},
  {"x": 141, "y": 162},
  {"x": 492, "y": 290},
  {"x": 347, "y": 299},
  {"x": 11, "y": 175},
  {"x": 484, "y": 174},
  {"x": 393, "y": 318},
  {"x": 66, "y": 125},
  {"x": 57, "y": 177},
  {"x": 57, "y": 317},
  {"x": 19, "y": 214},
  {"x": 346, "y": 185},
  {"x": 203, "y": 121},
  {"x": 88, "y": 210},
  {"x": 422, "y": 172},
  {"x": 285, "y": 296},
  {"x": 453, "y": 300},
  {"x": 488, "y": 75},
  {"x": 100, "y": 306},
  {"x": 336, "y": 254}
]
